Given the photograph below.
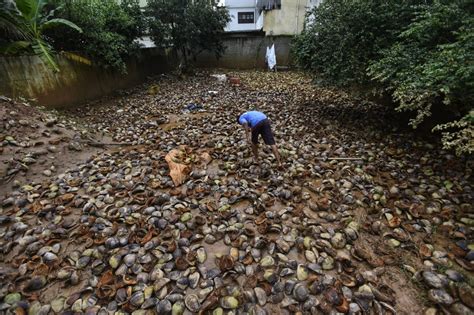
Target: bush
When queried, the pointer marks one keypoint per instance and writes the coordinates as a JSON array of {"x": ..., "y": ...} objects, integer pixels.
[
  {"x": 346, "y": 35},
  {"x": 418, "y": 52},
  {"x": 432, "y": 65},
  {"x": 109, "y": 29},
  {"x": 459, "y": 134}
]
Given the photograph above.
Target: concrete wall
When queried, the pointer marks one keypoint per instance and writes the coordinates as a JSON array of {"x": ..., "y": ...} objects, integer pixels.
[
  {"x": 288, "y": 20},
  {"x": 247, "y": 51},
  {"x": 28, "y": 77}
]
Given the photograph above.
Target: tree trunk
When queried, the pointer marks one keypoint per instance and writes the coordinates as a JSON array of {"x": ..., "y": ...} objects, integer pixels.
[{"x": 184, "y": 63}]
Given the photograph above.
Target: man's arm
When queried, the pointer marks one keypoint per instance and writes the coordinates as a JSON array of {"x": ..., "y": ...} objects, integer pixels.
[{"x": 248, "y": 131}]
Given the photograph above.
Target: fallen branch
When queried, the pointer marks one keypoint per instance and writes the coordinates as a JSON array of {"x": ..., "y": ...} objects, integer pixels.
[
  {"x": 102, "y": 144},
  {"x": 340, "y": 159}
]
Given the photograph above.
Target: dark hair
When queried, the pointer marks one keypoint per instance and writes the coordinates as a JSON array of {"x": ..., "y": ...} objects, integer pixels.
[{"x": 238, "y": 118}]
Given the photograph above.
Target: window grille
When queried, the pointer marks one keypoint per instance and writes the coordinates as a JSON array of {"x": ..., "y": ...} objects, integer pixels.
[{"x": 246, "y": 17}]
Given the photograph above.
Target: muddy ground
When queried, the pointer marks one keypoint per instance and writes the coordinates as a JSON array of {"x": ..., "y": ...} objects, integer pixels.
[{"x": 365, "y": 216}]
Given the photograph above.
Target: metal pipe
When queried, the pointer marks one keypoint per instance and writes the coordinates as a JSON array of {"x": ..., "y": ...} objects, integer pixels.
[{"x": 297, "y": 15}]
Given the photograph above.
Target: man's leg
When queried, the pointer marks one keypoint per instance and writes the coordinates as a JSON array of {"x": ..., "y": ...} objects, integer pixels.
[
  {"x": 267, "y": 135},
  {"x": 255, "y": 152},
  {"x": 276, "y": 153},
  {"x": 254, "y": 140}
]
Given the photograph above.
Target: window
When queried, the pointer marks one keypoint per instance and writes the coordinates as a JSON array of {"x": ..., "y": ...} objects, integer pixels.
[{"x": 245, "y": 17}]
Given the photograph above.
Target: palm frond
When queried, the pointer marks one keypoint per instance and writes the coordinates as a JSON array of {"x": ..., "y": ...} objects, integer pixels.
[
  {"x": 24, "y": 23},
  {"x": 14, "y": 48},
  {"x": 25, "y": 7},
  {"x": 57, "y": 22},
  {"x": 13, "y": 25},
  {"x": 37, "y": 9},
  {"x": 44, "y": 51}
]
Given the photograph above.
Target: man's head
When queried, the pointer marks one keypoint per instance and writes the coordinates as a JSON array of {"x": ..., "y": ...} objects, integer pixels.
[{"x": 238, "y": 118}]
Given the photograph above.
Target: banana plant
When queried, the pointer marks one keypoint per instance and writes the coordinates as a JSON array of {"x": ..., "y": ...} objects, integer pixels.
[{"x": 25, "y": 21}]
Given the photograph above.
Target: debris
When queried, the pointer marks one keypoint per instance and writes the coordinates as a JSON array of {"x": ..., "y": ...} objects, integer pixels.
[
  {"x": 171, "y": 218},
  {"x": 193, "y": 107},
  {"x": 339, "y": 159},
  {"x": 222, "y": 78},
  {"x": 179, "y": 165},
  {"x": 234, "y": 81},
  {"x": 153, "y": 89}
]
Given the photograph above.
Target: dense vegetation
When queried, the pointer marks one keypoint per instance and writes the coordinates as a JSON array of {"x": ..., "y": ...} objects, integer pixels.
[
  {"x": 189, "y": 27},
  {"x": 421, "y": 53},
  {"x": 109, "y": 29},
  {"x": 22, "y": 27},
  {"x": 102, "y": 32}
]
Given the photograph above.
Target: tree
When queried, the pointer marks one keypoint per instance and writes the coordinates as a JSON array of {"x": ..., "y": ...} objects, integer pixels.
[
  {"x": 418, "y": 52},
  {"x": 25, "y": 21},
  {"x": 110, "y": 30},
  {"x": 346, "y": 35},
  {"x": 188, "y": 26},
  {"x": 431, "y": 66}
]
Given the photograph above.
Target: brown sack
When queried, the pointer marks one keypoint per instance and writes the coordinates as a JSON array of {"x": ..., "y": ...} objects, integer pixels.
[{"x": 178, "y": 171}]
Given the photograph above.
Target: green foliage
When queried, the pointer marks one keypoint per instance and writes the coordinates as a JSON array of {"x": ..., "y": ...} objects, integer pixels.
[
  {"x": 419, "y": 52},
  {"x": 110, "y": 30},
  {"x": 459, "y": 135},
  {"x": 189, "y": 27},
  {"x": 432, "y": 65},
  {"x": 346, "y": 35},
  {"x": 23, "y": 22},
  {"x": 11, "y": 27},
  {"x": 432, "y": 61}
]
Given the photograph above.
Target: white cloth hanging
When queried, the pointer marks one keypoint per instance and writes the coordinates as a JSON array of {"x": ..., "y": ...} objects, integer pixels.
[
  {"x": 259, "y": 23},
  {"x": 271, "y": 57}
]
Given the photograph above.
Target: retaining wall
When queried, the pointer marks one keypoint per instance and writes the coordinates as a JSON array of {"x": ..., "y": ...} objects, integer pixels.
[
  {"x": 247, "y": 51},
  {"x": 28, "y": 77}
]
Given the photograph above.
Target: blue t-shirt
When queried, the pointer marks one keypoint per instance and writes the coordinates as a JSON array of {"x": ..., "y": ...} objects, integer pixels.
[{"x": 252, "y": 118}]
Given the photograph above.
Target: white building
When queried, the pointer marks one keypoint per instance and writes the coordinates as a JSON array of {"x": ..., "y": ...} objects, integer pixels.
[
  {"x": 142, "y": 3},
  {"x": 244, "y": 16},
  {"x": 274, "y": 17}
]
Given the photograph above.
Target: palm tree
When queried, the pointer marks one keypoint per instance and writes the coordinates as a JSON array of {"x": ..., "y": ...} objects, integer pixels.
[{"x": 24, "y": 22}]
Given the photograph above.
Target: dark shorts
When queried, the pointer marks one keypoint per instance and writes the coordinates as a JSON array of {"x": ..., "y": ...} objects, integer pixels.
[{"x": 263, "y": 128}]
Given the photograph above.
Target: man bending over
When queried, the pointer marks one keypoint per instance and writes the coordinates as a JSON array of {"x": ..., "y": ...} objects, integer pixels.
[{"x": 256, "y": 123}]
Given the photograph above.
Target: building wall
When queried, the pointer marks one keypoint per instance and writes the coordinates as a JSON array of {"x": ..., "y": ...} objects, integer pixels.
[
  {"x": 142, "y": 3},
  {"x": 289, "y": 20},
  {"x": 236, "y": 6},
  {"x": 28, "y": 77},
  {"x": 234, "y": 26},
  {"x": 240, "y": 3},
  {"x": 247, "y": 51}
]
